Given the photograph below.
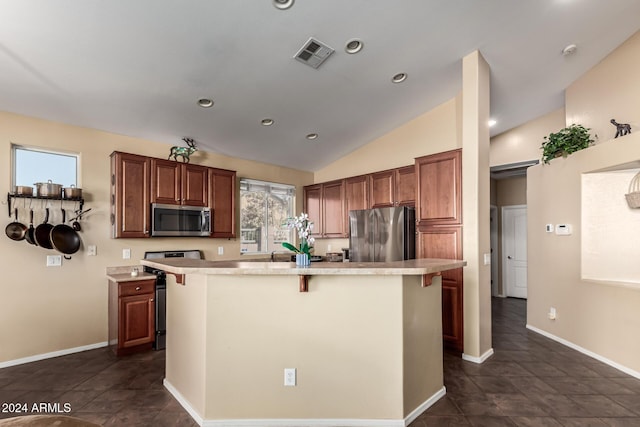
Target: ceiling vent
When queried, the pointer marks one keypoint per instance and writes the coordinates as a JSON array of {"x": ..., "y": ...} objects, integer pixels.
[{"x": 313, "y": 53}]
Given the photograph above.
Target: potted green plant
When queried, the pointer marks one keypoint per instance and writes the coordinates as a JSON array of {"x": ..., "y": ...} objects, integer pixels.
[{"x": 566, "y": 141}]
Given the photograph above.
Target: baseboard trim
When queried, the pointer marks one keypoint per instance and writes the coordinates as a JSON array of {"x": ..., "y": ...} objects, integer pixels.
[
  {"x": 487, "y": 354},
  {"x": 183, "y": 402},
  {"x": 304, "y": 422},
  {"x": 589, "y": 353},
  {"x": 52, "y": 354}
]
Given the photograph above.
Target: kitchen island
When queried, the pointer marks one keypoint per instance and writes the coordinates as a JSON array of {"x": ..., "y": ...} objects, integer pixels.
[{"x": 365, "y": 340}]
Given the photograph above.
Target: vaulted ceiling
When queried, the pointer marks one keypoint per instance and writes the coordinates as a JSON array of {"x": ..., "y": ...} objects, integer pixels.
[{"x": 139, "y": 67}]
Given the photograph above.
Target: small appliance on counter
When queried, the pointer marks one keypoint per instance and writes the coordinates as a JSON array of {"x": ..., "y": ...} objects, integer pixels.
[{"x": 161, "y": 291}]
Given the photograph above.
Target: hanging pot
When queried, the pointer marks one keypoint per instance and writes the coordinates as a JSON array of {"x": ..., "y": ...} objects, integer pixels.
[
  {"x": 43, "y": 232},
  {"x": 16, "y": 230},
  {"x": 48, "y": 189},
  {"x": 72, "y": 192},
  {"x": 64, "y": 238}
]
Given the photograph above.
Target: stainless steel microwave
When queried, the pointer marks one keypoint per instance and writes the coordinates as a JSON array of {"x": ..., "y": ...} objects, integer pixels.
[{"x": 180, "y": 221}]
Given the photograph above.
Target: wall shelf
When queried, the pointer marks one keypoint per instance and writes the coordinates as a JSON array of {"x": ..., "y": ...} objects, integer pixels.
[{"x": 11, "y": 196}]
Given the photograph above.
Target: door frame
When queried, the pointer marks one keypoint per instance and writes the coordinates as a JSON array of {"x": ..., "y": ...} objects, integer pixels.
[
  {"x": 493, "y": 232},
  {"x": 503, "y": 257}
]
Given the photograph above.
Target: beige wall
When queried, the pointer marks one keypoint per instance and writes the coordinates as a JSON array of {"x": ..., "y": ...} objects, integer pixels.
[
  {"x": 600, "y": 317},
  {"x": 433, "y": 132},
  {"x": 56, "y": 308},
  {"x": 522, "y": 143}
]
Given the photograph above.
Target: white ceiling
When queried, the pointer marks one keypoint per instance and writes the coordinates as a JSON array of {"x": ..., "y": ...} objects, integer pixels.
[{"x": 138, "y": 67}]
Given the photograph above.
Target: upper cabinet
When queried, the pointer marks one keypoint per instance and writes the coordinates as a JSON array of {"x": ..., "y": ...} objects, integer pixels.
[
  {"x": 333, "y": 214},
  {"x": 137, "y": 181},
  {"x": 130, "y": 182},
  {"x": 395, "y": 187},
  {"x": 179, "y": 183},
  {"x": 222, "y": 200},
  {"x": 439, "y": 179}
]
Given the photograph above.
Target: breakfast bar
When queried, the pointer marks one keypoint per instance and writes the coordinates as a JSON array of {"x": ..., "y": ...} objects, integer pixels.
[{"x": 361, "y": 343}]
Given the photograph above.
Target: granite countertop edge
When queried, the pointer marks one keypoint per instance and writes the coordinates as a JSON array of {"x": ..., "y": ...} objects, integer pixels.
[{"x": 409, "y": 267}]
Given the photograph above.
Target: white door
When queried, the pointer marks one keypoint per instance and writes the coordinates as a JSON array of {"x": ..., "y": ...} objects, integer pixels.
[{"x": 514, "y": 250}]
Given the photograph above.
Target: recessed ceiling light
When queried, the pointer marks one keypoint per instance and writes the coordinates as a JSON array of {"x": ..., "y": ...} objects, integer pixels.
[
  {"x": 399, "y": 78},
  {"x": 266, "y": 122},
  {"x": 283, "y": 4},
  {"x": 353, "y": 46},
  {"x": 312, "y": 136},
  {"x": 492, "y": 122},
  {"x": 569, "y": 50},
  {"x": 205, "y": 102}
]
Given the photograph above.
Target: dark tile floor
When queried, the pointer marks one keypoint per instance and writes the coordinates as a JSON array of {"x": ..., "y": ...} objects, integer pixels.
[
  {"x": 529, "y": 381},
  {"x": 532, "y": 381}
]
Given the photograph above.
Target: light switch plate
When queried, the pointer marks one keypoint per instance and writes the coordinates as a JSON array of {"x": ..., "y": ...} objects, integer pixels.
[
  {"x": 549, "y": 228},
  {"x": 54, "y": 260},
  {"x": 487, "y": 259},
  {"x": 92, "y": 250}
]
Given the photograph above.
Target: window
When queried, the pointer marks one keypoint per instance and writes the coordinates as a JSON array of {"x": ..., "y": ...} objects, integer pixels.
[
  {"x": 264, "y": 207},
  {"x": 31, "y": 165}
]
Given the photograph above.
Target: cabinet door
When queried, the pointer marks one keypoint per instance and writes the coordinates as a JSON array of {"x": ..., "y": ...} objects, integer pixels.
[
  {"x": 222, "y": 189},
  {"x": 439, "y": 179},
  {"x": 137, "y": 320},
  {"x": 195, "y": 185},
  {"x": 382, "y": 189},
  {"x": 405, "y": 186},
  {"x": 130, "y": 176},
  {"x": 446, "y": 242},
  {"x": 333, "y": 217},
  {"x": 166, "y": 176},
  {"x": 312, "y": 206},
  {"x": 356, "y": 195}
]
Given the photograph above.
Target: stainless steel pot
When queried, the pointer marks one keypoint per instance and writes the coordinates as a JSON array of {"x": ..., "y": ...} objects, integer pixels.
[
  {"x": 48, "y": 189},
  {"x": 72, "y": 192},
  {"x": 23, "y": 190}
]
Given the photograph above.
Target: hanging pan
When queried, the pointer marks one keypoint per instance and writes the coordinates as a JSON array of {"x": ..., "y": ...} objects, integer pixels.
[
  {"x": 30, "y": 237},
  {"x": 64, "y": 238},
  {"x": 43, "y": 231},
  {"x": 16, "y": 230}
]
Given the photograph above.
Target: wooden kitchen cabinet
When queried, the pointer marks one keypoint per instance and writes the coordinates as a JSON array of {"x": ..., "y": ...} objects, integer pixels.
[
  {"x": 394, "y": 187},
  {"x": 439, "y": 233},
  {"x": 439, "y": 178},
  {"x": 130, "y": 182},
  {"x": 131, "y": 316},
  {"x": 313, "y": 207},
  {"x": 222, "y": 201},
  {"x": 333, "y": 214},
  {"x": 356, "y": 196},
  {"x": 176, "y": 183},
  {"x": 324, "y": 203}
]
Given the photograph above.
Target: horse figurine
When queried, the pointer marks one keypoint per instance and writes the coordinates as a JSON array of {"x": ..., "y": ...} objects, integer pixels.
[
  {"x": 184, "y": 152},
  {"x": 622, "y": 129}
]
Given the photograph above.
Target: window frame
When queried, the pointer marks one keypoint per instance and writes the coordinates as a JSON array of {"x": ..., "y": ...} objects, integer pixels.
[
  {"x": 270, "y": 188},
  {"x": 57, "y": 152}
]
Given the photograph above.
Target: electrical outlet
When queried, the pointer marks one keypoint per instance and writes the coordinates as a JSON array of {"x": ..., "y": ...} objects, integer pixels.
[
  {"x": 220, "y": 250},
  {"x": 91, "y": 250},
  {"x": 54, "y": 260},
  {"x": 487, "y": 259},
  {"x": 552, "y": 313},
  {"x": 126, "y": 254},
  {"x": 290, "y": 377}
]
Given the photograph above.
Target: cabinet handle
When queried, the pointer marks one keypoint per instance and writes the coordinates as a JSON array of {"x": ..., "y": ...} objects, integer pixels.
[
  {"x": 138, "y": 288},
  {"x": 151, "y": 300}
]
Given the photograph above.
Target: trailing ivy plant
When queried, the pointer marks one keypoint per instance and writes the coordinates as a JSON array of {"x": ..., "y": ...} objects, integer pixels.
[{"x": 564, "y": 142}]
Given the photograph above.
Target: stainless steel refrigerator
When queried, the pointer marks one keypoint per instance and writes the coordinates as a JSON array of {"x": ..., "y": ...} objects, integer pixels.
[{"x": 382, "y": 234}]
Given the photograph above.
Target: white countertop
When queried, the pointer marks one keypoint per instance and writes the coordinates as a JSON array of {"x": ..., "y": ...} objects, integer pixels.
[{"x": 409, "y": 267}]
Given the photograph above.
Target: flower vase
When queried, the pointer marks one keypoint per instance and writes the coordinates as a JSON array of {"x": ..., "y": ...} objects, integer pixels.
[{"x": 302, "y": 260}]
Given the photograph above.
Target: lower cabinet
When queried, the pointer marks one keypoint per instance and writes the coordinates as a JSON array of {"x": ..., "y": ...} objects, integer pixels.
[
  {"x": 446, "y": 242},
  {"x": 131, "y": 316}
]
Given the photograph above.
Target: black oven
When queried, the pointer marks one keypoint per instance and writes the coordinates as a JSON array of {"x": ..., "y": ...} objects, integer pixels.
[{"x": 160, "y": 341}]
